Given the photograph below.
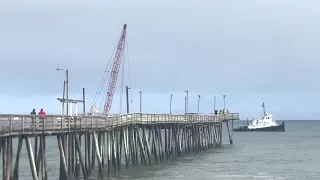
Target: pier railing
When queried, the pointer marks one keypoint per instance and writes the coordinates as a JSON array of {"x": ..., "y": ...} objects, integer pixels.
[{"x": 14, "y": 124}]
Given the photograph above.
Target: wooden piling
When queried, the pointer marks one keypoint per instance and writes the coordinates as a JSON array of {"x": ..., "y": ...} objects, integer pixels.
[
  {"x": 64, "y": 171},
  {"x": 98, "y": 155},
  {"x": 16, "y": 164},
  {"x": 83, "y": 167},
  {"x": 31, "y": 158},
  {"x": 4, "y": 157}
]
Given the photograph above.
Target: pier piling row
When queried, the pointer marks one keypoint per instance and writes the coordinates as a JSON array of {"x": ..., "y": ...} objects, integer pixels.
[{"x": 106, "y": 145}]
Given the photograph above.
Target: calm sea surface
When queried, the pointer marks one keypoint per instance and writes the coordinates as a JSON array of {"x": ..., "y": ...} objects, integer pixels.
[{"x": 294, "y": 154}]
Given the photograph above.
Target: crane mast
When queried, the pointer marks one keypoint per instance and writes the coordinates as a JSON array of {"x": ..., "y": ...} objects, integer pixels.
[{"x": 115, "y": 70}]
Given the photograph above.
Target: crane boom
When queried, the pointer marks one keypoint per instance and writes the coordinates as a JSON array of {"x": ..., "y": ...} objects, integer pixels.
[{"x": 115, "y": 70}]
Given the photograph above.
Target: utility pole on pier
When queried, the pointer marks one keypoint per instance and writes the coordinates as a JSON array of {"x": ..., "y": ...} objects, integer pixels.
[
  {"x": 66, "y": 87},
  {"x": 224, "y": 101},
  {"x": 127, "y": 97},
  {"x": 170, "y": 102},
  {"x": 198, "y": 104},
  {"x": 186, "y": 101},
  {"x": 140, "y": 101},
  {"x": 63, "y": 96},
  {"x": 214, "y": 104},
  {"x": 84, "y": 99}
]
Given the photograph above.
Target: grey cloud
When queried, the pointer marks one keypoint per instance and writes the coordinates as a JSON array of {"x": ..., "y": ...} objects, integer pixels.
[{"x": 205, "y": 46}]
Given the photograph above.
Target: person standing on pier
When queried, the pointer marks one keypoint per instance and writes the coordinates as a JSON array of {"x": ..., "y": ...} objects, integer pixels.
[
  {"x": 41, "y": 112},
  {"x": 33, "y": 112}
]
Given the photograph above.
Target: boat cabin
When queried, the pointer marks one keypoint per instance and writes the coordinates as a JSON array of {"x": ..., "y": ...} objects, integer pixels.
[{"x": 261, "y": 122}]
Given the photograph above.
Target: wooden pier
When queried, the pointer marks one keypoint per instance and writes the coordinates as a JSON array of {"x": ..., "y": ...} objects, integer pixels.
[{"x": 104, "y": 145}]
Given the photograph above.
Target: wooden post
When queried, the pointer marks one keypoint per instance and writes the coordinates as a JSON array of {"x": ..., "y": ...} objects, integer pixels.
[
  {"x": 84, "y": 100},
  {"x": 127, "y": 98},
  {"x": 31, "y": 158},
  {"x": 64, "y": 175},
  {"x": 98, "y": 155},
  {"x": 16, "y": 164},
  {"x": 84, "y": 170},
  {"x": 4, "y": 157}
]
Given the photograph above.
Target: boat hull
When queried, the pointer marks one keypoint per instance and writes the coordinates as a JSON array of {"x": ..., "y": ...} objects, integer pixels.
[{"x": 279, "y": 128}]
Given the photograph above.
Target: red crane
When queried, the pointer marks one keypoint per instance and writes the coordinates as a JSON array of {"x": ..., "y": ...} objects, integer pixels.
[{"x": 115, "y": 70}]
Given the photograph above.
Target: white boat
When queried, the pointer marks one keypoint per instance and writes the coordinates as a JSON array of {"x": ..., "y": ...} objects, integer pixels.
[{"x": 264, "y": 123}]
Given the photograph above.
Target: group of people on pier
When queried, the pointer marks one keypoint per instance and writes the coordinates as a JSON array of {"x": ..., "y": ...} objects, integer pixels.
[
  {"x": 221, "y": 112},
  {"x": 41, "y": 112}
]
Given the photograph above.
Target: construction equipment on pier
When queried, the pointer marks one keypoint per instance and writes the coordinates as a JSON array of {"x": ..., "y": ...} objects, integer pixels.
[{"x": 113, "y": 76}]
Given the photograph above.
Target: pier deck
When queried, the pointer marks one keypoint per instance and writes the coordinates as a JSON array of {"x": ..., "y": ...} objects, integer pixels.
[
  {"x": 14, "y": 124},
  {"x": 108, "y": 142}
]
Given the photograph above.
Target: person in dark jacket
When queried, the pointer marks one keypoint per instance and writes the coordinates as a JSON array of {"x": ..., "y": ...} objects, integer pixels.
[
  {"x": 33, "y": 119},
  {"x": 33, "y": 112}
]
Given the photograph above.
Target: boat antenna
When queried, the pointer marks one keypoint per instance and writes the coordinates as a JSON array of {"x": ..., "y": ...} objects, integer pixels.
[{"x": 264, "y": 109}]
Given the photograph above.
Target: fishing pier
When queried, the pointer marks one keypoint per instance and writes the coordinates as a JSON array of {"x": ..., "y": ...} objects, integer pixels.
[
  {"x": 104, "y": 144},
  {"x": 95, "y": 145}
]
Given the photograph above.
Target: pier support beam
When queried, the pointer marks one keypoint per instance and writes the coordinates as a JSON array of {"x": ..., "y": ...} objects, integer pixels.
[{"x": 31, "y": 158}]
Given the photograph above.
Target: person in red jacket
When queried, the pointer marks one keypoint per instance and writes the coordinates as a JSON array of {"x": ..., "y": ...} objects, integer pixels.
[{"x": 42, "y": 112}]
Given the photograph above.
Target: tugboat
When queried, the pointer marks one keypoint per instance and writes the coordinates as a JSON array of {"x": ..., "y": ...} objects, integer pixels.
[{"x": 264, "y": 123}]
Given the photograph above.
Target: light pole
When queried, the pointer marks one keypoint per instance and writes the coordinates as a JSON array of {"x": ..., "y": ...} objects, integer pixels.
[
  {"x": 198, "y": 104},
  {"x": 67, "y": 87},
  {"x": 224, "y": 101},
  {"x": 186, "y": 101},
  {"x": 140, "y": 101},
  {"x": 214, "y": 104},
  {"x": 170, "y": 102}
]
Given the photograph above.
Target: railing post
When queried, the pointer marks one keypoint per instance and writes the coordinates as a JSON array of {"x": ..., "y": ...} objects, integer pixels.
[
  {"x": 117, "y": 122},
  {"x": 61, "y": 124},
  {"x": 10, "y": 125},
  {"x": 152, "y": 118},
  {"x": 22, "y": 124},
  {"x": 33, "y": 122},
  {"x": 43, "y": 119},
  {"x": 80, "y": 118},
  {"x": 105, "y": 122},
  {"x": 166, "y": 117},
  {"x": 53, "y": 124},
  {"x": 68, "y": 118},
  {"x": 74, "y": 123},
  {"x": 91, "y": 123},
  {"x": 95, "y": 123},
  {"x": 147, "y": 118}
]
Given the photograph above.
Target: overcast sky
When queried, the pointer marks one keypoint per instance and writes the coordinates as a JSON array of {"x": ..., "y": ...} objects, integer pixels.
[{"x": 252, "y": 51}]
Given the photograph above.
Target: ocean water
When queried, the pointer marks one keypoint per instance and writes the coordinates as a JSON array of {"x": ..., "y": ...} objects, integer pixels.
[{"x": 292, "y": 155}]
